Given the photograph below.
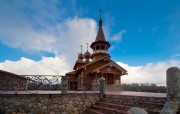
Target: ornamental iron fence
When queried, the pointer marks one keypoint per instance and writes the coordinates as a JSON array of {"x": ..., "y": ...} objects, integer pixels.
[{"x": 47, "y": 83}]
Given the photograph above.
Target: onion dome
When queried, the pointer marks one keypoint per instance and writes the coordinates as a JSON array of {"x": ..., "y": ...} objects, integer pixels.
[
  {"x": 80, "y": 56},
  {"x": 87, "y": 55}
]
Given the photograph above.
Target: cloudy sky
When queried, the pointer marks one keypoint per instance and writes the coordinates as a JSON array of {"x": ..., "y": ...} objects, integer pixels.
[{"x": 43, "y": 36}]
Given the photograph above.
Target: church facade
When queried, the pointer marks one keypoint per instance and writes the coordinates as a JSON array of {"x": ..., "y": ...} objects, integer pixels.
[{"x": 90, "y": 67}]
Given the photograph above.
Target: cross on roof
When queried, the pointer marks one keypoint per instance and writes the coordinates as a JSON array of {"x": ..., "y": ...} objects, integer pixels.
[
  {"x": 87, "y": 46},
  {"x": 100, "y": 11},
  {"x": 81, "y": 48}
]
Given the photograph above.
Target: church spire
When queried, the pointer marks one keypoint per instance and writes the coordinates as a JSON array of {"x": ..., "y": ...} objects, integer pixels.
[
  {"x": 100, "y": 19},
  {"x": 100, "y": 46},
  {"x": 100, "y": 36}
]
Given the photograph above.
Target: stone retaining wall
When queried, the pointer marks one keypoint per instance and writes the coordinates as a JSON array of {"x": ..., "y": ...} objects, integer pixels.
[{"x": 46, "y": 104}]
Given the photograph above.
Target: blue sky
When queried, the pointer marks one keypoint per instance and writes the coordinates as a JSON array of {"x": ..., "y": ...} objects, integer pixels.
[
  {"x": 143, "y": 34},
  {"x": 152, "y": 28}
]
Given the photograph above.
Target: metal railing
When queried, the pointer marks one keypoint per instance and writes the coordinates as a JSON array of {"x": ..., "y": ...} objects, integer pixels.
[{"x": 45, "y": 83}]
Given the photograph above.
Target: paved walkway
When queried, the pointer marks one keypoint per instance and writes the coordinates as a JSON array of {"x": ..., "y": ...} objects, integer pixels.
[
  {"x": 129, "y": 93},
  {"x": 43, "y": 92}
]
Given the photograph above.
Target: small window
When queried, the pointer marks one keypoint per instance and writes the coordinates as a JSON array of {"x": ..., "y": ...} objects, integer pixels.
[
  {"x": 102, "y": 47},
  {"x": 97, "y": 47}
]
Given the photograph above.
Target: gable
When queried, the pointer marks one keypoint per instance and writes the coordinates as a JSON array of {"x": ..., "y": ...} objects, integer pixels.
[
  {"x": 93, "y": 62},
  {"x": 78, "y": 64},
  {"x": 94, "y": 66},
  {"x": 101, "y": 64},
  {"x": 110, "y": 68}
]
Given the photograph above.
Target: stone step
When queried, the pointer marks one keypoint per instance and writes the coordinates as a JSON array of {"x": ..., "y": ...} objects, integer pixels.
[
  {"x": 133, "y": 103},
  {"x": 138, "y": 98},
  {"x": 92, "y": 111},
  {"x": 153, "y": 111},
  {"x": 107, "y": 110},
  {"x": 113, "y": 106},
  {"x": 125, "y": 108},
  {"x": 120, "y": 104}
]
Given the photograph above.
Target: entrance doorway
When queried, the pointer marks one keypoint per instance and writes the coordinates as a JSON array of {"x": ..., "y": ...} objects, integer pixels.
[
  {"x": 109, "y": 79},
  {"x": 73, "y": 85}
]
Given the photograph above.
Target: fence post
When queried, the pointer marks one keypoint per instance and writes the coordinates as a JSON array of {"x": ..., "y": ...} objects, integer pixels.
[
  {"x": 173, "y": 91},
  {"x": 64, "y": 85},
  {"x": 102, "y": 87},
  {"x": 173, "y": 84}
]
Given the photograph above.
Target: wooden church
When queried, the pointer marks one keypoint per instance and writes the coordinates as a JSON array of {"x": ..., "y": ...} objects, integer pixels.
[{"x": 90, "y": 67}]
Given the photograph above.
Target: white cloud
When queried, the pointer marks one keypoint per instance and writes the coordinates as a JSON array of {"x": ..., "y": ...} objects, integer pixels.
[
  {"x": 149, "y": 73},
  {"x": 175, "y": 56},
  {"x": 46, "y": 66},
  {"x": 44, "y": 26},
  {"x": 24, "y": 24},
  {"x": 118, "y": 37},
  {"x": 74, "y": 33}
]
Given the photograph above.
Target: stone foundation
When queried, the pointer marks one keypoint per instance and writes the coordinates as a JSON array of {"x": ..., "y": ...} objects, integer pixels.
[{"x": 46, "y": 104}]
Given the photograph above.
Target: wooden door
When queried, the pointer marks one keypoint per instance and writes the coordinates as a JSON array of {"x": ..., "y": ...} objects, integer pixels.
[{"x": 109, "y": 79}]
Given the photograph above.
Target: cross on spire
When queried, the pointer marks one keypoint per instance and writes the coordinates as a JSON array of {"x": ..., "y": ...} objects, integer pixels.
[
  {"x": 100, "y": 11},
  {"x": 87, "y": 46},
  {"x": 100, "y": 20},
  {"x": 81, "y": 48}
]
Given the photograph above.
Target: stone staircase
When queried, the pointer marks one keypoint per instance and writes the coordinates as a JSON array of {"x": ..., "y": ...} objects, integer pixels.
[{"x": 120, "y": 104}]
